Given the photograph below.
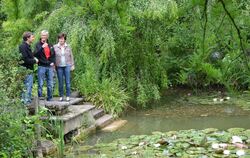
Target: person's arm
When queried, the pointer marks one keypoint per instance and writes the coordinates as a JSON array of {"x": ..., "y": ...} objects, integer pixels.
[
  {"x": 25, "y": 56},
  {"x": 72, "y": 60},
  {"x": 52, "y": 56},
  {"x": 38, "y": 50}
]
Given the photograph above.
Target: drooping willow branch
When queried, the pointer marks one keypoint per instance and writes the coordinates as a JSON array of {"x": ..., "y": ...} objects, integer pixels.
[
  {"x": 238, "y": 32},
  {"x": 205, "y": 26},
  {"x": 219, "y": 26}
]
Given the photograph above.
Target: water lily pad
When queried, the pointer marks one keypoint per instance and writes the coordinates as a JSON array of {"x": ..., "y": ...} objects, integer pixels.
[
  {"x": 223, "y": 136},
  {"x": 187, "y": 144},
  {"x": 209, "y": 130},
  {"x": 236, "y": 131},
  {"x": 247, "y": 133}
]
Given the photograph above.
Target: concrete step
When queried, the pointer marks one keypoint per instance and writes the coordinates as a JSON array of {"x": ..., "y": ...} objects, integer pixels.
[
  {"x": 88, "y": 103},
  {"x": 114, "y": 125},
  {"x": 56, "y": 102},
  {"x": 88, "y": 108},
  {"x": 97, "y": 113},
  {"x": 103, "y": 121},
  {"x": 58, "y": 107},
  {"x": 76, "y": 117},
  {"x": 75, "y": 94}
]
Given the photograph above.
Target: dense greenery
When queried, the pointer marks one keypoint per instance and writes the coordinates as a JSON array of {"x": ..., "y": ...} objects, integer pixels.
[
  {"x": 16, "y": 130},
  {"x": 131, "y": 50}
]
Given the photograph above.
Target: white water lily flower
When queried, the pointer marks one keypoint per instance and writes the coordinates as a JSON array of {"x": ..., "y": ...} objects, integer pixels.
[
  {"x": 236, "y": 139},
  {"x": 165, "y": 152},
  {"x": 124, "y": 147},
  {"x": 174, "y": 137},
  {"x": 215, "y": 146},
  {"x": 226, "y": 152},
  {"x": 221, "y": 100},
  {"x": 223, "y": 145},
  {"x": 141, "y": 143},
  {"x": 215, "y": 99},
  {"x": 240, "y": 152},
  {"x": 227, "y": 98},
  {"x": 157, "y": 145},
  {"x": 134, "y": 153}
]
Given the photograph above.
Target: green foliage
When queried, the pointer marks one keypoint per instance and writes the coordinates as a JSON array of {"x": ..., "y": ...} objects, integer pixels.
[
  {"x": 12, "y": 29},
  {"x": 125, "y": 50},
  {"x": 16, "y": 9},
  {"x": 16, "y": 130},
  {"x": 16, "y": 136},
  {"x": 22, "y": 15},
  {"x": 110, "y": 97},
  {"x": 106, "y": 93},
  {"x": 130, "y": 50},
  {"x": 2, "y": 14}
]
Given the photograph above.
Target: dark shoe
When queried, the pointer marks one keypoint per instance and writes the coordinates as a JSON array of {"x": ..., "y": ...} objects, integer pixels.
[{"x": 49, "y": 99}]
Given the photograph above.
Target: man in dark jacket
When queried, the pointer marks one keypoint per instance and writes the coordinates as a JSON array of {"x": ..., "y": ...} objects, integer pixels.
[
  {"x": 46, "y": 56},
  {"x": 28, "y": 62}
]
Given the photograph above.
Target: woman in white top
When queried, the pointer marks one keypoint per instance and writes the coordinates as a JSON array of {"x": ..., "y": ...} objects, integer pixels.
[{"x": 64, "y": 64}]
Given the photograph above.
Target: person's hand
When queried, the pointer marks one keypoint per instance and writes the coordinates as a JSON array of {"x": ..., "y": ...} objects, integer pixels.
[
  {"x": 36, "y": 60},
  {"x": 52, "y": 64},
  {"x": 72, "y": 68},
  {"x": 45, "y": 45}
]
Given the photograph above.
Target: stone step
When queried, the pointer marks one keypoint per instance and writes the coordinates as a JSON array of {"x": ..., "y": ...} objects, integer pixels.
[
  {"x": 87, "y": 103},
  {"x": 48, "y": 147},
  {"x": 76, "y": 117},
  {"x": 114, "y": 125},
  {"x": 75, "y": 94},
  {"x": 103, "y": 121},
  {"x": 58, "y": 107},
  {"x": 97, "y": 113},
  {"x": 56, "y": 102}
]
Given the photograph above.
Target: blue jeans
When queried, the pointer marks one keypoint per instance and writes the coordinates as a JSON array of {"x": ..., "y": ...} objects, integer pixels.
[
  {"x": 48, "y": 73},
  {"x": 26, "y": 94},
  {"x": 63, "y": 73}
]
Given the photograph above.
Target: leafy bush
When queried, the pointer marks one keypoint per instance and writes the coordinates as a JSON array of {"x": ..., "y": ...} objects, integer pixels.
[
  {"x": 106, "y": 93},
  {"x": 16, "y": 132}
]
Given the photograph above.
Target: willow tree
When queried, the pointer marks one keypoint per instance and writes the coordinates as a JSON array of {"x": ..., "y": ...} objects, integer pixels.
[
  {"x": 118, "y": 46},
  {"x": 130, "y": 50}
]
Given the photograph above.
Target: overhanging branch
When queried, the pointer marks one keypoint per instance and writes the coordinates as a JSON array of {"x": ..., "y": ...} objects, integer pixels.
[{"x": 238, "y": 32}]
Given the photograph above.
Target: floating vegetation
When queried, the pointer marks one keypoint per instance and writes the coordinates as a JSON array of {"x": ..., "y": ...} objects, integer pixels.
[
  {"x": 242, "y": 100},
  {"x": 184, "y": 143}
]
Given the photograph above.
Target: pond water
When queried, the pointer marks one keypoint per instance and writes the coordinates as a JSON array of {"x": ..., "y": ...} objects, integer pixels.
[{"x": 179, "y": 110}]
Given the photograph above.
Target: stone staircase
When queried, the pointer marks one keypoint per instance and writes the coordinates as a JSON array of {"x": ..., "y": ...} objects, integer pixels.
[
  {"x": 76, "y": 114},
  {"x": 76, "y": 117}
]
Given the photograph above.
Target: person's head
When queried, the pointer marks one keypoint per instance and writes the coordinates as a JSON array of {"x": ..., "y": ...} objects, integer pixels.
[
  {"x": 44, "y": 35},
  {"x": 28, "y": 37},
  {"x": 62, "y": 38}
]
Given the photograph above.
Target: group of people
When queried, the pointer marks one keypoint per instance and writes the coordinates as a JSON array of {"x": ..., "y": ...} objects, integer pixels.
[{"x": 49, "y": 57}]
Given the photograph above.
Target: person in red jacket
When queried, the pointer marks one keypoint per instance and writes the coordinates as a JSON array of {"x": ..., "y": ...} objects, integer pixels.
[{"x": 46, "y": 56}]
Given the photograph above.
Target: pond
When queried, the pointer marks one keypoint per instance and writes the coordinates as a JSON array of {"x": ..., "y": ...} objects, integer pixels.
[
  {"x": 179, "y": 110},
  {"x": 175, "y": 112}
]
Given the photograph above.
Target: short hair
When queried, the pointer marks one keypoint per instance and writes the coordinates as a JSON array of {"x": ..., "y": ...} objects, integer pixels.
[
  {"x": 27, "y": 35},
  {"x": 45, "y": 32},
  {"x": 62, "y": 35}
]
